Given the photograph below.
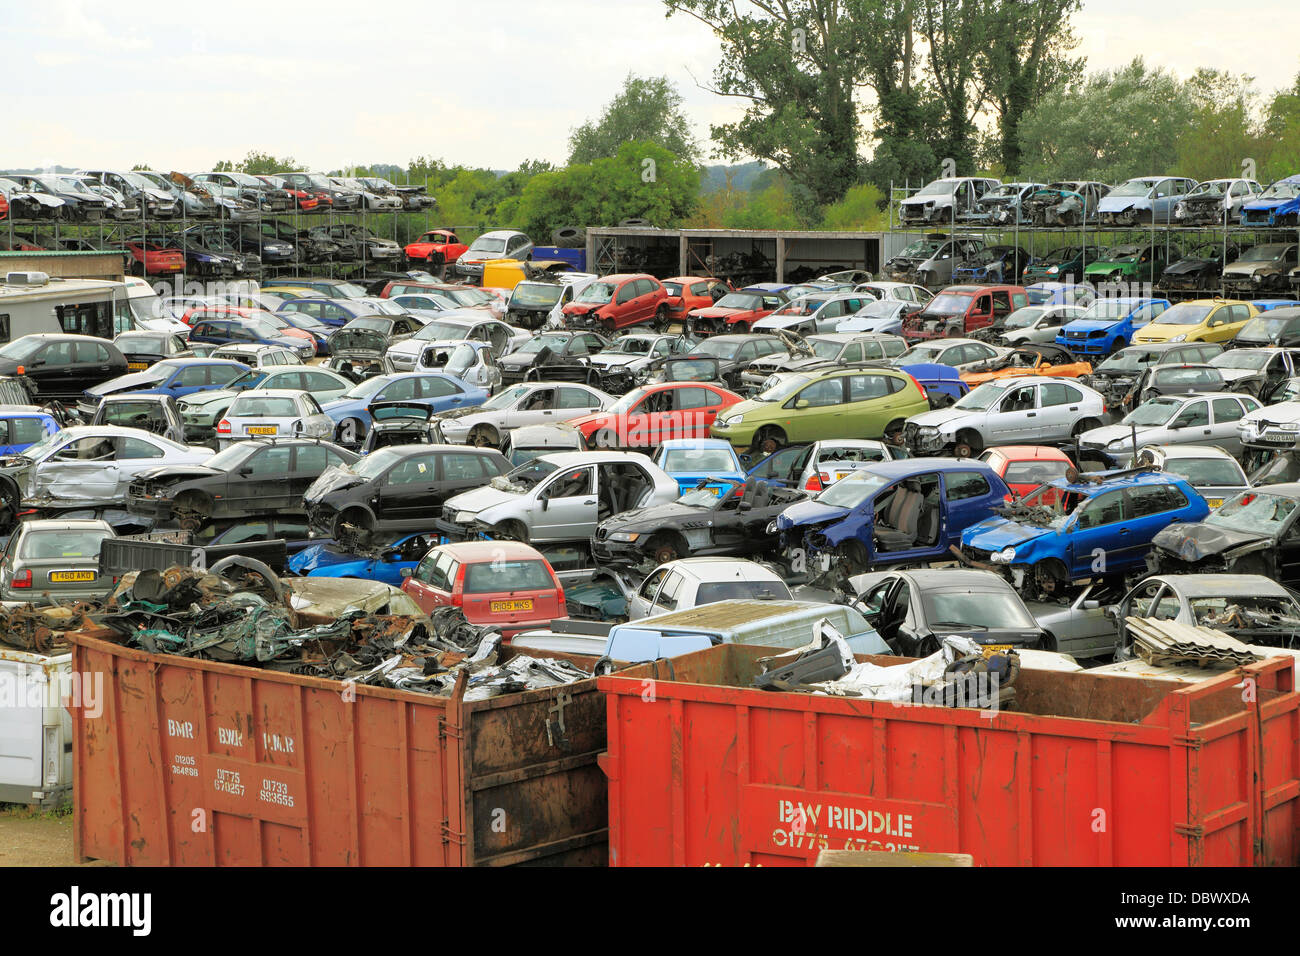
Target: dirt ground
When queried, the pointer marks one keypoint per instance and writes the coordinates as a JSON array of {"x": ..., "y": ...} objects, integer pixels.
[{"x": 36, "y": 838}]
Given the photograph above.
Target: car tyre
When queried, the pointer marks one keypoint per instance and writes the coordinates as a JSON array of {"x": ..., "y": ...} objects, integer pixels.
[
  {"x": 510, "y": 531},
  {"x": 969, "y": 444},
  {"x": 192, "y": 510},
  {"x": 666, "y": 547},
  {"x": 661, "y": 319},
  {"x": 357, "y": 518},
  {"x": 606, "y": 439}
]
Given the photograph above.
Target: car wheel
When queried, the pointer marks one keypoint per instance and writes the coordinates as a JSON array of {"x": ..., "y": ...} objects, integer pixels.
[
  {"x": 770, "y": 440},
  {"x": 852, "y": 558},
  {"x": 192, "y": 510},
  {"x": 667, "y": 547},
  {"x": 353, "y": 522},
  {"x": 510, "y": 531},
  {"x": 484, "y": 436},
  {"x": 661, "y": 319},
  {"x": 1047, "y": 576},
  {"x": 927, "y": 646},
  {"x": 608, "y": 326},
  {"x": 1119, "y": 344},
  {"x": 969, "y": 444}
]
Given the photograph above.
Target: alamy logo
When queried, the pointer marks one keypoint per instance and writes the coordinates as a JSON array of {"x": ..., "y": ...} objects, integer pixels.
[{"x": 73, "y": 909}]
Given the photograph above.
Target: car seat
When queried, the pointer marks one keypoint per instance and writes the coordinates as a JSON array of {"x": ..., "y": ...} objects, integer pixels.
[{"x": 900, "y": 529}]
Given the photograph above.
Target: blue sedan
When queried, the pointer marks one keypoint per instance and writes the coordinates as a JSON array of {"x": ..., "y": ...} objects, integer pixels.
[
  {"x": 436, "y": 390},
  {"x": 176, "y": 377},
  {"x": 384, "y": 565}
]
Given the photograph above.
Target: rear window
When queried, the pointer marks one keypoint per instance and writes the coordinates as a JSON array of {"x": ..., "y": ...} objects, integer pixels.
[
  {"x": 1035, "y": 472},
  {"x": 53, "y": 545},
  {"x": 742, "y": 590},
  {"x": 492, "y": 577}
]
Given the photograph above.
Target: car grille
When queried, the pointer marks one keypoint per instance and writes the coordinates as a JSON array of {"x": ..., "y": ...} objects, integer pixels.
[{"x": 978, "y": 554}]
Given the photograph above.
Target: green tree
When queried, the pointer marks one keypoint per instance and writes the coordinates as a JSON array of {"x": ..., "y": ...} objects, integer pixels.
[
  {"x": 1280, "y": 151},
  {"x": 257, "y": 163},
  {"x": 649, "y": 109},
  {"x": 1108, "y": 127},
  {"x": 859, "y": 210},
  {"x": 1220, "y": 133}
]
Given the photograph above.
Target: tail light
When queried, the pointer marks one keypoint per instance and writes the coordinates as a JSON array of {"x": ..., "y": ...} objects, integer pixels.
[
  {"x": 919, "y": 386},
  {"x": 559, "y": 589},
  {"x": 223, "y": 428},
  {"x": 817, "y": 482},
  {"x": 458, "y": 589},
  {"x": 23, "y": 579}
]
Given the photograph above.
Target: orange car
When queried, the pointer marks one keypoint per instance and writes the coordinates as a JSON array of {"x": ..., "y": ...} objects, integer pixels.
[
  {"x": 1031, "y": 360},
  {"x": 692, "y": 292},
  {"x": 4, "y": 207}
]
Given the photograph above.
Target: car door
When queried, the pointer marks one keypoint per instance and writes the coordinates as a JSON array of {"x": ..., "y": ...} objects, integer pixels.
[
  {"x": 1096, "y": 531},
  {"x": 536, "y": 408},
  {"x": 263, "y": 483},
  {"x": 1059, "y": 407},
  {"x": 308, "y": 463},
  {"x": 573, "y": 402},
  {"x": 783, "y": 467},
  {"x": 1226, "y": 413},
  {"x": 458, "y": 471},
  {"x": 408, "y": 489},
  {"x": 815, "y": 410},
  {"x": 694, "y": 409},
  {"x": 1148, "y": 509},
  {"x": 132, "y": 456},
  {"x": 867, "y": 405},
  {"x": 565, "y": 507},
  {"x": 639, "y": 605},
  {"x": 1192, "y": 424},
  {"x": 1016, "y": 418}
]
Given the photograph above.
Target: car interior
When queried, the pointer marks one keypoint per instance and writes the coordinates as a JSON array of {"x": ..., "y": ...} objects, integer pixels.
[
  {"x": 621, "y": 488},
  {"x": 908, "y": 515}
]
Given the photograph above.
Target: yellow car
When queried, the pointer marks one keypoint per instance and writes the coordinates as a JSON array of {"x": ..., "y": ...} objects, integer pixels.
[{"x": 1200, "y": 320}]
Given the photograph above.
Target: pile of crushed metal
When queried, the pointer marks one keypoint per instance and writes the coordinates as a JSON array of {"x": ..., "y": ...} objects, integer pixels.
[
  {"x": 40, "y": 630},
  {"x": 241, "y": 612}
]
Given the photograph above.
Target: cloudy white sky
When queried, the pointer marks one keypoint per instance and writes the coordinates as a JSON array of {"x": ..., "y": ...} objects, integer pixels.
[{"x": 481, "y": 84}]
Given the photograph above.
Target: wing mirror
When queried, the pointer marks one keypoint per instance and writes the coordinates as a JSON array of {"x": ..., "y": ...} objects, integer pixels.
[
  {"x": 801, "y": 403},
  {"x": 245, "y": 472},
  {"x": 1111, "y": 611},
  {"x": 405, "y": 572},
  {"x": 1091, "y": 605}
]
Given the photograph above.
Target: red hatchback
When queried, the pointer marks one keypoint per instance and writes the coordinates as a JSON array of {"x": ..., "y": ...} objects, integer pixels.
[
  {"x": 501, "y": 584},
  {"x": 692, "y": 292},
  {"x": 615, "y": 302},
  {"x": 647, "y": 416},
  {"x": 1025, "y": 467},
  {"x": 154, "y": 259}
]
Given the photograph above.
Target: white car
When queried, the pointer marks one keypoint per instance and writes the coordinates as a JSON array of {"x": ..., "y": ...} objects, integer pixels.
[
  {"x": 886, "y": 291},
  {"x": 636, "y": 352},
  {"x": 1026, "y": 410},
  {"x": 528, "y": 403},
  {"x": 815, "y": 312},
  {"x": 1038, "y": 324},
  {"x": 93, "y": 464},
  {"x": 370, "y": 199},
  {"x": 475, "y": 324},
  {"x": 690, "y": 582},
  {"x": 258, "y": 356},
  {"x": 880, "y": 315},
  {"x": 561, "y": 497},
  {"x": 271, "y": 413},
  {"x": 470, "y": 361}
]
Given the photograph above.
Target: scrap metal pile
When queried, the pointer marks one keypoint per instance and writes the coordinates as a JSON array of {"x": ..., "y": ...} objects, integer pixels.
[
  {"x": 1171, "y": 643},
  {"x": 40, "y": 629},
  {"x": 244, "y": 614}
]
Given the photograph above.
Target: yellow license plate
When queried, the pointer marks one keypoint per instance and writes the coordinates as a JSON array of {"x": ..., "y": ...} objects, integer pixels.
[
  {"x": 840, "y": 474},
  {"x": 716, "y": 492},
  {"x": 262, "y": 429},
  {"x": 1214, "y": 502},
  {"x": 990, "y": 650},
  {"x": 63, "y": 577},
  {"x": 526, "y": 605},
  {"x": 137, "y": 366}
]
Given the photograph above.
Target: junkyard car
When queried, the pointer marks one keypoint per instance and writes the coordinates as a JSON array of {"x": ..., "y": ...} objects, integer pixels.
[
  {"x": 1028, "y": 325},
  {"x": 53, "y": 560},
  {"x": 539, "y": 303},
  {"x": 201, "y": 410},
  {"x": 1214, "y": 418},
  {"x": 1133, "y": 262},
  {"x": 1200, "y": 268},
  {"x": 961, "y": 354},
  {"x": 1275, "y": 327},
  {"x": 817, "y": 350},
  {"x": 472, "y": 362},
  {"x": 1178, "y": 380},
  {"x": 1262, "y": 372},
  {"x": 531, "y": 358},
  {"x": 732, "y": 518},
  {"x": 1252, "y": 608},
  {"x": 825, "y": 403},
  {"x": 734, "y": 312},
  {"x": 884, "y": 316},
  {"x": 399, "y": 488},
  {"x": 1200, "y": 320},
  {"x": 178, "y": 377},
  {"x": 935, "y": 271},
  {"x": 961, "y": 309},
  {"x": 627, "y": 361},
  {"x": 473, "y": 324},
  {"x": 271, "y": 412},
  {"x": 499, "y": 244},
  {"x": 258, "y": 476},
  {"x": 61, "y": 367},
  {"x": 153, "y": 413},
  {"x": 699, "y": 462},
  {"x": 1066, "y": 203},
  {"x": 691, "y": 582},
  {"x": 85, "y": 465},
  {"x": 892, "y": 512},
  {"x": 905, "y": 264},
  {"x": 1004, "y": 205},
  {"x": 1109, "y": 324},
  {"x": 945, "y": 200},
  {"x": 815, "y": 467},
  {"x": 1253, "y": 533},
  {"x": 1006, "y": 411},
  {"x": 436, "y": 248},
  {"x": 1215, "y": 200},
  {"x": 1025, "y": 467},
  {"x": 369, "y": 338},
  {"x": 914, "y": 610},
  {"x": 1118, "y": 376},
  {"x": 1064, "y": 265},
  {"x": 560, "y": 497},
  {"x": 1036, "y": 359},
  {"x": 1260, "y": 269},
  {"x": 1213, "y": 472},
  {"x": 436, "y": 390},
  {"x": 648, "y": 415},
  {"x": 1278, "y": 205},
  {"x": 1073, "y": 532},
  {"x": 1146, "y": 199},
  {"x": 389, "y": 563},
  {"x": 809, "y": 314},
  {"x": 1001, "y": 263},
  {"x": 1269, "y": 429},
  {"x": 528, "y": 403}
]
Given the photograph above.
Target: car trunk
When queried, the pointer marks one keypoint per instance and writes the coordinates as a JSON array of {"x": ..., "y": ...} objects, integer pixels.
[{"x": 358, "y": 344}]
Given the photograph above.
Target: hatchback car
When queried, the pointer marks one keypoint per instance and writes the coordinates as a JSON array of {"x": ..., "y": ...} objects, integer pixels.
[
  {"x": 651, "y": 414},
  {"x": 272, "y": 412},
  {"x": 815, "y": 467},
  {"x": 61, "y": 367},
  {"x": 528, "y": 403},
  {"x": 692, "y": 582},
  {"x": 1212, "y": 418},
  {"x": 1199, "y": 320},
  {"x": 1213, "y": 472},
  {"x": 699, "y": 462},
  {"x": 178, "y": 378},
  {"x": 53, "y": 560},
  {"x": 202, "y": 410},
  {"x": 437, "y": 391},
  {"x": 618, "y": 301},
  {"x": 1109, "y": 324},
  {"x": 503, "y": 584},
  {"x": 734, "y": 312}
]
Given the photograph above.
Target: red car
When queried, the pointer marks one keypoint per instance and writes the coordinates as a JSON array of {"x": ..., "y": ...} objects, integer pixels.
[
  {"x": 502, "y": 584},
  {"x": 960, "y": 310},
  {"x": 436, "y": 248},
  {"x": 651, "y": 414},
  {"x": 734, "y": 312},
  {"x": 153, "y": 258},
  {"x": 4, "y": 207},
  {"x": 693, "y": 292},
  {"x": 1025, "y": 467},
  {"x": 617, "y": 301}
]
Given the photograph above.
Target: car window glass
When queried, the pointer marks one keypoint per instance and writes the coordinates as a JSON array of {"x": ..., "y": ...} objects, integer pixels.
[
  {"x": 462, "y": 467},
  {"x": 1054, "y": 393},
  {"x": 652, "y": 584},
  {"x": 575, "y": 398},
  {"x": 414, "y": 470},
  {"x": 313, "y": 459},
  {"x": 829, "y": 391},
  {"x": 133, "y": 448},
  {"x": 965, "y": 484},
  {"x": 1104, "y": 509},
  {"x": 571, "y": 484},
  {"x": 193, "y": 376},
  {"x": 400, "y": 390},
  {"x": 668, "y": 593},
  {"x": 1227, "y": 410},
  {"x": 1195, "y": 414},
  {"x": 1154, "y": 499},
  {"x": 270, "y": 462},
  {"x": 694, "y": 398}
]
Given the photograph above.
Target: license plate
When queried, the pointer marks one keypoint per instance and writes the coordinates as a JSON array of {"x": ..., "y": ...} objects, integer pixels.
[
  {"x": 716, "y": 492},
  {"x": 989, "y": 650},
  {"x": 137, "y": 366},
  {"x": 1214, "y": 502},
  {"x": 840, "y": 474},
  {"x": 63, "y": 577},
  {"x": 262, "y": 429},
  {"x": 524, "y": 605}
]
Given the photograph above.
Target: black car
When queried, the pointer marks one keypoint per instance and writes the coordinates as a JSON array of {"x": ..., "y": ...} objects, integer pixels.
[
  {"x": 1178, "y": 380},
  {"x": 561, "y": 347},
  {"x": 292, "y": 529},
  {"x": 1200, "y": 269},
  {"x": 211, "y": 254},
  {"x": 313, "y": 247},
  {"x": 1254, "y": 533},
  {"x": 247, "y": 478},
  {"x": 316, "y": 184},
  {"x": 143, "y": 349},
  {"x": 912, "y": 610},
  {"x": 250, "y": 239},
  {"x": 60, "y": 367},
  {"x": 730, "y": 355},
  {"x": 1274, "y": 327},
  {"x": 1117, "y": 377},
  {"x": 400, "y": 488},
  {"x": 700, "y": 523}
]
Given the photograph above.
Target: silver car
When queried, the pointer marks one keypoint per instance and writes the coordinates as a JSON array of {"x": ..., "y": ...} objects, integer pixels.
[
  {"x": 961, "y": 354},
  {"x": 1202, "y": 418},
  {"x": 691, "y": 582},
  {"x": 1037, "y": 324},
  {"x": 53, "y": 560},
  {"x": 528, "y": 403},
  {"x": 1214, "y": 473},
  {"x": 816, "y": 350},
  {"x": 474, "y": 324},
  {"x": 561, "y": 497},
  {"x": 1025, "y": 410},
  {"x": 272, "y": 413}
]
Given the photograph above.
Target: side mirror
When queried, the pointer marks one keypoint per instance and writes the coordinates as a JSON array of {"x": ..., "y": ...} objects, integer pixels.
[
  {"x": 1091, "y": 605},
  {"x": 405, "y": 572},
  {"x": 801, "y": 403},
  {"x": 1111, "y": 611},
  {"x": 245, "y": 472}
]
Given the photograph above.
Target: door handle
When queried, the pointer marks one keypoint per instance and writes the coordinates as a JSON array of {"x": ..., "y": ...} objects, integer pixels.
[
  {"x": 1032, "y": 415},
  {"x": 590, "y": 501},
  {"x": 1074, "y": 408}
]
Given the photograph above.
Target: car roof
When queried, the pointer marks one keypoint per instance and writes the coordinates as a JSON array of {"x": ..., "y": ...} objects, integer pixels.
[
  {"x": 65, "y": 524},
  {"x": 274, "y": 393},
  {"x": 1214, "y": 585},
  {"x": 1190, "y": 451},
  {"x": 700, "y": 567},
  {"x": 1124, "y": 479},
  {"x": 955, "y": 577},
  {"x": 908, "y": 467},
  {"x": 468, "y": 552},
  {"x": 1030, "y": 453},
  {"x": 695, "y": 443},
  {"x": 566, "y": 459}
]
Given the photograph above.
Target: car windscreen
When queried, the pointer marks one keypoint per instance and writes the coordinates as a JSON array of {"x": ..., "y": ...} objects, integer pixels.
[
  {"x": 1129, "y": 360},
  {"x": 1023, "y": 318},
  {"x": 1254, "y": 511},
  {"x": 1155, "y": 412},
  {"x": 739, "y": 300},
  {"x": 487, "y": 245},
  {"x": 257, "y": 406},
  {"x": 979, "y": 399},
  {"x": 1184, "y": 313},
  {"x": 630, "y": 345},
  {"x": 534, "y": 295},
  {"x": 698, "y": 460},
  {"x": 974, "y": 609},
  {"x": 1203, "y": 472},
  {"x": 1246, "y": 359},
  {"x": 851, "y": 491},
  {"x": 947, "y": 304},
  {"x": 527, "y": 476},
  {"x": 556, "y": 343}
]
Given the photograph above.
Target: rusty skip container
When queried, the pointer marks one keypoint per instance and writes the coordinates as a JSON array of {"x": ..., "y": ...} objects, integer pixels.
[
  {"x": 1087, "y": 770},
  {"x": 195, "y": 762}
]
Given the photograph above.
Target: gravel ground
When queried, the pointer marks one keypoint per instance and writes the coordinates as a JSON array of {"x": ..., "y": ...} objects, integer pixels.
[{"x": 35, "y": 838}]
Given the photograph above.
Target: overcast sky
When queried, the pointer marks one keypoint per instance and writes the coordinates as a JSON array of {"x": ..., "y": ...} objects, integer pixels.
[{"x": 183, "y": 86}]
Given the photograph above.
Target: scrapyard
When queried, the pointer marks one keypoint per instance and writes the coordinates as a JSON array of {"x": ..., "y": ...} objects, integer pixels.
[{"x": 925, "y": 492}]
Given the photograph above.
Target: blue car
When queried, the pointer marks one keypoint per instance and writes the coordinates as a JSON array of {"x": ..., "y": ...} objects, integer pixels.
[
  {"x": 1108, "y": 324},
  {"x": 1069, "y": 532},
  {"x": 889, "y": 513},
  {"x": 228, "y": 329},
  {"x": 22, "y": 427},
  {"x": 176, "y": 377},
  {"x": 942, "y": 382},
  {"x": 335, "y": 313},
  {"x": 1278, "y": 205},
  {"x": 690, "y": 461},
  {"x": 384, "y": 565},
  {"x": 318, "y": 330},
  {"x": 436, "y": 390}
]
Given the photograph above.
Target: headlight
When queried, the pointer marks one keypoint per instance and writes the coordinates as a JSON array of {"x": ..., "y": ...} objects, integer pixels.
[
  {"x": 728, "y": 422},
  {"x": 928, "y": 430},
  {"x": 1257, "y": 278},
  {"x": 628, "y": 536},
  {"x": 1180, "y": 211},
  {"x": 1118, "y": 442},
  {"x": 1054, "y": 270},
  {"x": 1005, "y": 556},
  {"x": 771, "y": 526},
  {"x": 464, "y": 517},
  {"x": 1179, "y": 338}
]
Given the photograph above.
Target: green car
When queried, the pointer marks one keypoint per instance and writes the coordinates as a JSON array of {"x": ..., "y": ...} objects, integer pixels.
[
  {"x": 831, "y": 403},
  {"x": 1138, "y": 262}
]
